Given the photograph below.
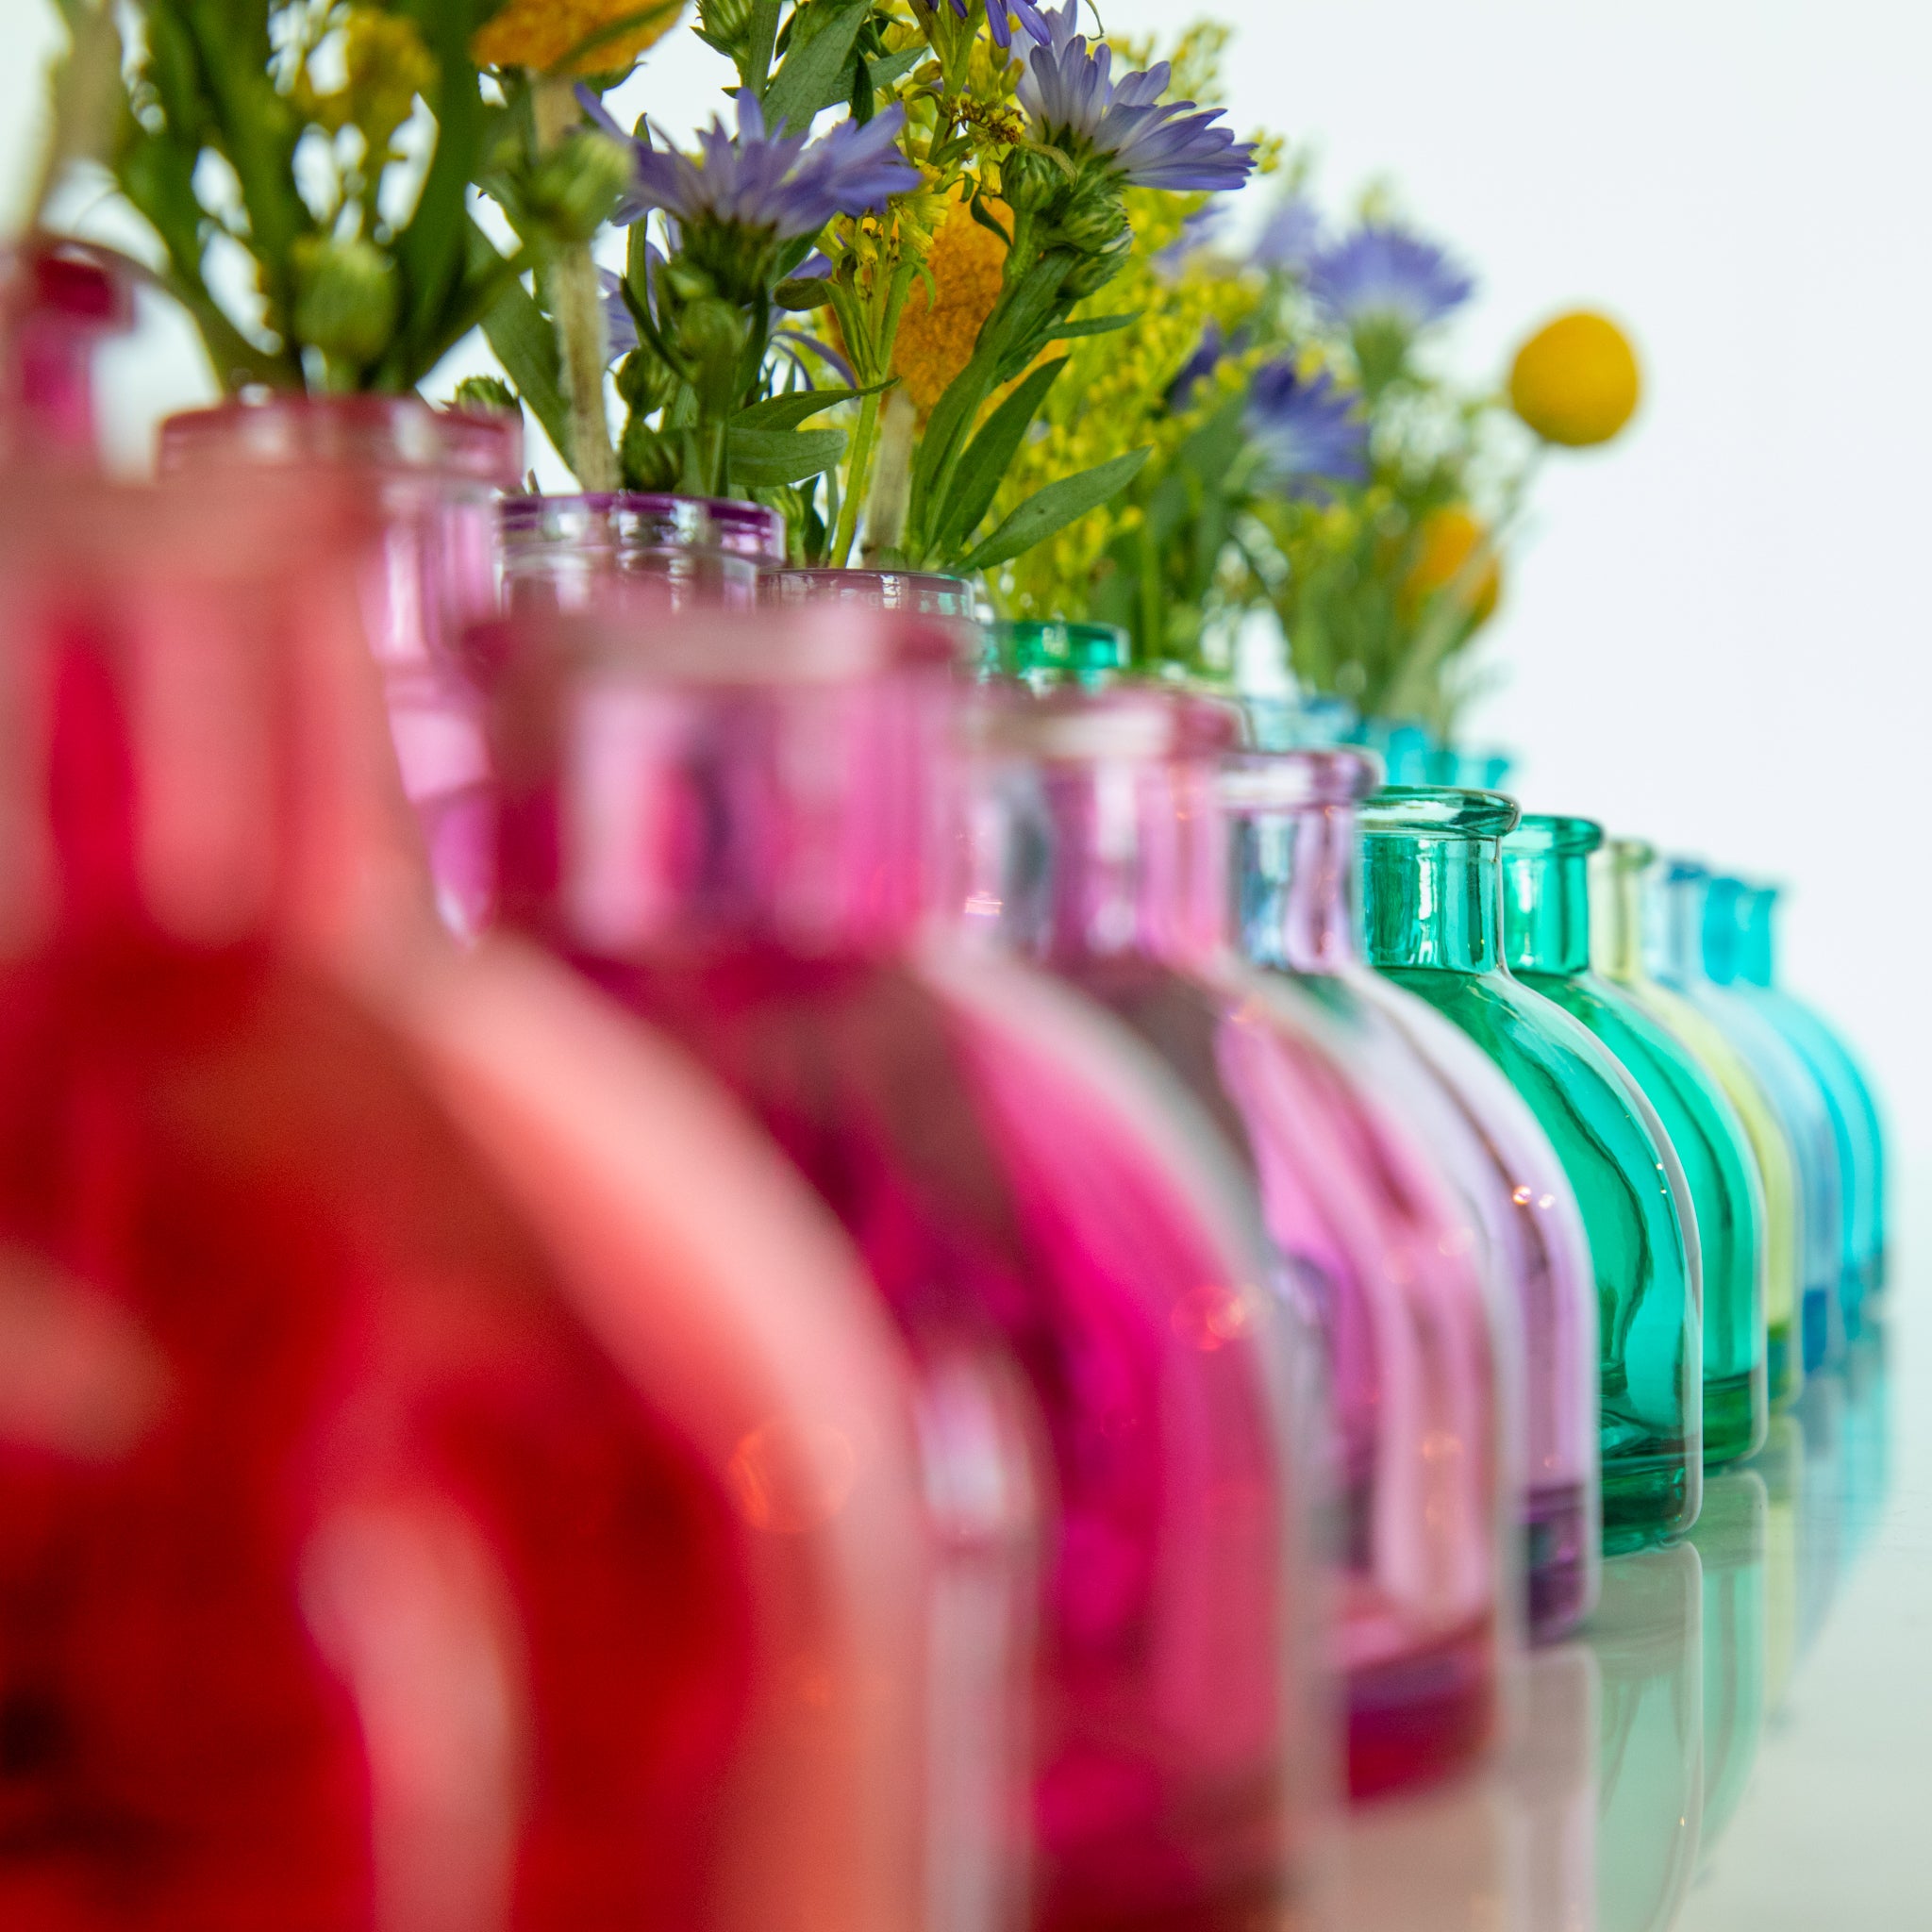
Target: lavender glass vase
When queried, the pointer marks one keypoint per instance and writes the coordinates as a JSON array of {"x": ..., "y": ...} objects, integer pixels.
[
  {"x": 1294, "y": 819},
  {"x": 736, "y": 828},
  {"x": 1101, "y": 853}
]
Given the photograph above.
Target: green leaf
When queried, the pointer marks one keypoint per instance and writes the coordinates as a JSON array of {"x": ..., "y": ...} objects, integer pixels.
[
  {"x": 817, "y": 69},
  {"x": 1094, "y": 326},
  {"x": 1053, "y": 508},
  {"x": 756, "y": 70},
  {"x": 763, "y": 458},
  {"x": 891, "y": 69},
  {"x": 989, "y": 457},
  {"x": 788, "y": 411},
  {"x": 525, "y": 345}
]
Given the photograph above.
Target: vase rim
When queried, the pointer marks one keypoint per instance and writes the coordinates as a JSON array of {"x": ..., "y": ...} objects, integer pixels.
[
  {"x": 1539, "y": 833},
  {"x": 927, "y": 593},
  {"x": 288, "y": 428},
  {"x": 748, "y": 529},
  {"x": 1438, "y": 812},
  {"x": 1256, "y": 782},
  {"x": 1125, "y": 723},
  {"x": 1629, "y": 855}
]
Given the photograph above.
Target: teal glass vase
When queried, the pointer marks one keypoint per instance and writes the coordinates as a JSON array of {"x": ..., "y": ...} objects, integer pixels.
[
  {"x": 1677, "y": 921},
  {"x": 1048, "y": 652},
  {"x": 1739, "y": 948},
  {"x": 1546, "y": 916},
  {"x": 1433, "y": 922}
]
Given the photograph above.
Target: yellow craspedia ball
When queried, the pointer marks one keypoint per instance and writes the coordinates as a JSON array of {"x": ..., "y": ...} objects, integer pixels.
[
  {"x": 938, "y": 326},
  {"x": 1446, "y": 546},
  {"x": 1576, "y": 381},
  {"x": 538, "y": 34}
]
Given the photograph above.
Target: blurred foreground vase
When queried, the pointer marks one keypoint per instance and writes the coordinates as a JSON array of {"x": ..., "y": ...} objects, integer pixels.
[
  {"x": 429, "y": 478},
  {"x": 1675, "y": 931},
  {"x": 1293, "y": 815},
  {"x": 732, "y": 824},
  {"x": 1620, "y": 871},
  {"x": 1433, "y": 917},
  {"x": 1738, "y": 952},
  {"x": 1547, "y": 920},
  {"x": 439, "y": 1440},
  {"x": 59, "y": 301},
  {"x": 1100, "y": 852}
]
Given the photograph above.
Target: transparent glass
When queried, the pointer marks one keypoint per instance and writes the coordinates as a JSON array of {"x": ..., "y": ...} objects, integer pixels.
[
  {"x": 1730, "y": 1541},
  {"x": 420, "y": 1501},
  {"x": 1293, "y": 816},
  {"x": 916, "y": 593},
  {"x": 1618, "y": 873},
  {"x": 1101, "y": 853},
  {"x": 429, "y": 477},
  {"x": 1043, "y": 652},
  {"x": 1674, "y": 926},
  {"x": 59, "y": 301},
  {"x": 1739, "y": 952},
  {"x": 576, "y": 553},
  {"x": 1546, "y": 928},
  {"x": 737, "y": 828},
  {"x": 1433, "y": 917}
]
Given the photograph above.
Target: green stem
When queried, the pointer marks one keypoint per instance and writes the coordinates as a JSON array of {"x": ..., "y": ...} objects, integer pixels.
[{"x": 854, "y": 486}]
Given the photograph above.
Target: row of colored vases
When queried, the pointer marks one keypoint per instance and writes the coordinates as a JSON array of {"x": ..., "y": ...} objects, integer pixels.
[{"x": 863, "y": 1349}]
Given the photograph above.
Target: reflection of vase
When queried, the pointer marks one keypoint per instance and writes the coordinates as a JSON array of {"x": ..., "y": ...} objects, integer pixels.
[
  {"x": 1617, "y": 876},
  {"x": 1781, "y": 1464},
  {"x": 1730, "y": 1540},
  {"x": 1867, "y": 1439},
  {"x": 1294, "y": 819},
  {"x": 1546, "y": 921},
  {"x": 1433, "y": 922},
  {"x": 395, "y": 1366},
  {"x": 1552, "y": 1779},
  {"x": 1821, "y": 1513},
  {"x": 1103, "y": 853},
  {"x": 1737, "y": 949},
  {"x": 735, "y": 825},
  {"x": 1648, "y": 1638},
  {"x": 429, "y": 477},
  {"x": 1676, "y": 935}
]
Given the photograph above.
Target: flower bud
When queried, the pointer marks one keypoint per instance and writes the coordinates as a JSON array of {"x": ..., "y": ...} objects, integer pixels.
[
  {"x": 346, "y": 299},
  {"x": 1029, "y": 179},
  {"x": 712, "y": 334},
  {"x": 647, "y": 458},
  {"x": 1091, "y": 272},
  {"x": 486, "y": 394},
  {"x": 726, "y": 22},
  {"x": 643, "y": 381},
  {"x": 575, "y": 190},
  {"x": 1095, "y": 219}
]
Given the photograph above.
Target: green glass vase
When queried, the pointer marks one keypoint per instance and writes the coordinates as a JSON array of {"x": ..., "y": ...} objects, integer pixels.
[
  {"x": 1719, "y": 1201},
  {"x": 1618, "y": 874},
  {"x": 1433, "y": 923}
]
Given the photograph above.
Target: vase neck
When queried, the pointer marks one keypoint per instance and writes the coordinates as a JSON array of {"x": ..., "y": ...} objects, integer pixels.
[
  {"x": 1545, "y": 885},
  {"x": 1758, "y": 954},
  {"x": 1617, "y": 910},
  {"x": 1293, "y": 819},
  {"x": 1723, "y": 935},
  {"x": 1432, "y": 901},
  {"x": 1678, "y": 938}
]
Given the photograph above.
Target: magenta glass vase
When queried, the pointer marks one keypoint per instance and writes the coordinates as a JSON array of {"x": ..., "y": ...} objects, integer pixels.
[
  {"x": 1294, "y": 823},
  {"x": 451, "y": 1473},
  {"x": 429, "y": 478},
  {"x": 1103, "y": 855},
  {"x": 735, "y": 827},
  {"x": 59, "y": 301}
]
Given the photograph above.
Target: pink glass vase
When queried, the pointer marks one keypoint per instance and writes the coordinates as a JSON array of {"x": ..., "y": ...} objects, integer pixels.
[
  {"x": 59, "y": 301},
  {"x": 429, "y": 478},
  {"x": 1102, "y": 854},
  {"x": 1294, "y": 822},
  {"x": 452, "y": 1476},
  {"x": 733, "y": 828}
]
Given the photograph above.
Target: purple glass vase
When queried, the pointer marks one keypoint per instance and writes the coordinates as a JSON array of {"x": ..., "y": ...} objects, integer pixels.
[
  {"x": 430, "y": 478},
  {"x": 1294, "y": 815},
  {"x": 736, "y": 828},
  {"x": 1102, "y": 854}
]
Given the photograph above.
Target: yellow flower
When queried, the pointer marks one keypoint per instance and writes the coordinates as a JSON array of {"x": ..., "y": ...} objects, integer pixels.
[
  {"x": 1576, "y": 382},
  {"x": 538, "y": 34},
  {"x": 938, "y": 326},
  {"x": 1446, "y": 547}
]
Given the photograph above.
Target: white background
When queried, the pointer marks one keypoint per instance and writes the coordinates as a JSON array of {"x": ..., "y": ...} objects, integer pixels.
[{"x": 1716, "y": 636}]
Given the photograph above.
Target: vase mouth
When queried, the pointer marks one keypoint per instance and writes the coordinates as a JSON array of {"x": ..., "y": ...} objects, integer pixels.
[
  {"x": 1120, "y": 723},
  {"x": 921, "y": 593},
  {"x": 1542, "y": 834},
  {"x": 644, "y": 519},
  {"x": 1255, "y": 783},
  {"x": 1056, "y": 646},
  {"x": 1438, "y": 812},
  {"x": 1678, "y": 870},
  {"x": 1629, "y": 855},
  {"x": 290, "y": 430}
]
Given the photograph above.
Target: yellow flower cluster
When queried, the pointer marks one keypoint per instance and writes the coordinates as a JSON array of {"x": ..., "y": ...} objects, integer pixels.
[
  {"x": 542, "y": 34},
  {"x": 1576, "y": 382},
  {"x": 942, "y": 317}
]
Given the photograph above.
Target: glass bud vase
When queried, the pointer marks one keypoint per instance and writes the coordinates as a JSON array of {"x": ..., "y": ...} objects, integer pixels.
[
  {"x": 1547, "y": 924},
  {"x": 738, "y": 827},
  {"x": 1619, "y": 872},
  {"x": 59, "y": 301},
  {"x": 1433, "y": 917},
  {"x": 579, "y": 553},
  {"x": 1293, "y": 817},
  {"x": 429, "y": 477},
  {"x": 1100, "y": 853},
  {"x": 911, "y": 593},
  {"x": 1738, "y": 952},
  {"x": 451, "y": 1474},
  {"x": 1046, "y": 652},
  {"x": 1675, "y": 930}
]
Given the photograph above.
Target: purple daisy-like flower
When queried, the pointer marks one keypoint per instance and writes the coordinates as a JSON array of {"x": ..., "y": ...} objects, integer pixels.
[
  {"x": 1291, "y": 237},
  {"x": 999, "y": 18},
  {"x": 1385, "y": 276},
  {"x": 1071, "y": 98},
  {"x": 767, "y": 181},
  {"x": 1202, "y": 363},
  {"x": 1308, "y": 432}
]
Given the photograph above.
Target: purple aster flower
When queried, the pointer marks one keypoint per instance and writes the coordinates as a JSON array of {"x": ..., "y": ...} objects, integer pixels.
[
  {"x": 1208, "y": 354},
  {"x": 1292, "y": 238},
  {"x": 1383, "y": 275},
  {"x": 1075, "y": 104},
  {"x": 998, "y": 17},
  {"x": 767, "y": 182},
  {"x": 1308, "y": 432}
]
